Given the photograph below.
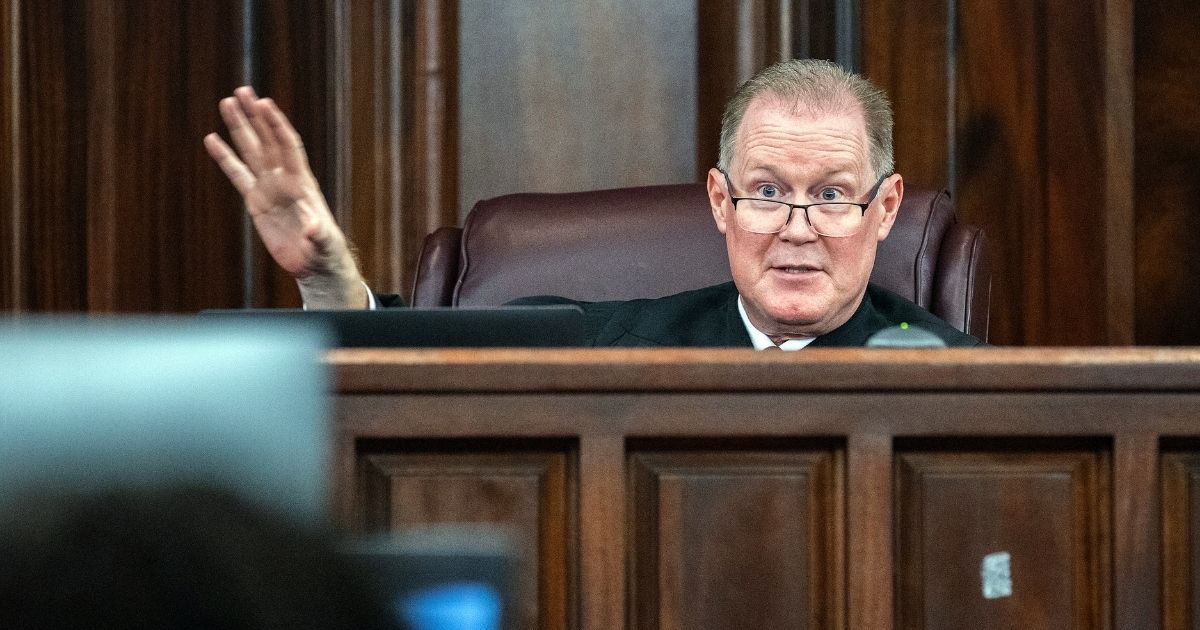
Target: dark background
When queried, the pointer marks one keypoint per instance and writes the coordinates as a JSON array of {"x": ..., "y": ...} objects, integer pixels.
[{"x": 1066, "y": 128}]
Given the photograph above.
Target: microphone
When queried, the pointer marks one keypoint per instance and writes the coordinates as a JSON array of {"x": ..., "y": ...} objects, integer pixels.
[{"x": 905, "y": 336}]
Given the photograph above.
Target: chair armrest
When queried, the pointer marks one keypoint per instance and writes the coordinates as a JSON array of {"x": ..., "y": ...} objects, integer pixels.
[
  {"x": 963, "y": 292},
  {"x": 437, "y": 268}
]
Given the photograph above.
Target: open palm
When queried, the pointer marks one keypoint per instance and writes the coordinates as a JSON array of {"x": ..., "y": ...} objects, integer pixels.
[
  {"x": 274, "y": 178},
  {"x": 271, "y": 171}
]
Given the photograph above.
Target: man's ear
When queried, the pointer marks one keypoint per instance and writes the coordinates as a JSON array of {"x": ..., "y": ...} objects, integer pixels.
[
  {"x": 889, "y": 201},
  {"x": 717, "y": 198}
]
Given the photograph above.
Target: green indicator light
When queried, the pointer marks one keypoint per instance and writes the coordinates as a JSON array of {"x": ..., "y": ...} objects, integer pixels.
[{"x": 903, "y": 325}]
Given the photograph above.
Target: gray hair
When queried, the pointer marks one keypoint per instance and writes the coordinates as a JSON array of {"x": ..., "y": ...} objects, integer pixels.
[{"x": 818, "y": 86}]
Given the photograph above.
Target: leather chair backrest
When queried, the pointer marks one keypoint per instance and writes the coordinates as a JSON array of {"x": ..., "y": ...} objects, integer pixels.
[{"x": 657, "y": 240}]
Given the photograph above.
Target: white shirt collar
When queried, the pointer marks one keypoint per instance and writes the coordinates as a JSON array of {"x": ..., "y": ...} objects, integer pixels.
[{"x": 761, "y": 341}]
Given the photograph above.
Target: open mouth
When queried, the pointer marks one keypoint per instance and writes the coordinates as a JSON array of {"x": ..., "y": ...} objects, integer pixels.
[{"x": 797, "y": 269}]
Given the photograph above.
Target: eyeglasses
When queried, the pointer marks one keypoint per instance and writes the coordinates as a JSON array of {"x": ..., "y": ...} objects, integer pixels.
[{"x": 769, "y": 216}]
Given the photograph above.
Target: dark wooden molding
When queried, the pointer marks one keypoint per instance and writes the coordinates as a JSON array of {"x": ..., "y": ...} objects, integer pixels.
[
  {"x": 814, "y": 28},
  {"x": 735, "y": 39},
  {"x": 12, "y": 166},
  {"x": 922, "y": 94},
  {"x": 432, "y": 141},
  {"x": 393, "y": 74},
  {"x": 104, "y": 46},
  {"x": 290, "y": 64},
  {"x": 1140, "y": 582},
  {"x": 697, "y": 369},
  {"x": 870, "y": 549},
  {"x": 1119, "y": 153}
]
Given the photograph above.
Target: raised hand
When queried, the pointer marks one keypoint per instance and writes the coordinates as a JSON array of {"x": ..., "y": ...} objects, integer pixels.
[{"x": 271, "y": 171}]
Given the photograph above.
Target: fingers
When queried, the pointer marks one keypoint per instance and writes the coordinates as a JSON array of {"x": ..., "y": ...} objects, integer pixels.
[
  {"x": 264, "y": 139},
  {"x": 244, "y": 137},
  {"x": 239, "y": 175},
  {"x": 255, "y": 110},
  {"x": 291, "y": 146}
]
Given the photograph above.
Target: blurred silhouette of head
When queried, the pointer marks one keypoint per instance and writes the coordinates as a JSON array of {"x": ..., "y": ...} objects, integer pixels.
[{"x": 174, "y": 558}]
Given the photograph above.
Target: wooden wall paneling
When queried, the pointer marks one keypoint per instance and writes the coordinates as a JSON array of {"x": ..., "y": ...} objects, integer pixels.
[
  {"x": 52, "y": 239},
  {"x": 895, "y": 36},
  {"x": 1000, "y": 171},
  {"x": 365, "y": 71},
  {"x": 110, "y": 227},
  {"x": 529, "y": 492},
  {"x": 213, "y": 258},
  {"x": 289, "y": 62},
  {"x": 1006, "y": 104},
  {"x": 567, "y": 96},
  {"x": 1167, "y": 159},
  {"x": 394, "y": 76},
  {"x": 12, "y": 165},
  {"x": 814, "y": 28},
  {"x": 603, "y": 505},
  {"x": 1119, "y": 149},
  {"x": 1180, "y": 531},
  {"x": 735, "y": 39},
  {"x": 732, "y": 539},
  {"x": 1048, "y": 510},
  {"x": 1088, "y": 167},
  {"x": 1137, "y": 538},
  {"x": 869, "y": 556},
  {"x": 159, "y": 237}
]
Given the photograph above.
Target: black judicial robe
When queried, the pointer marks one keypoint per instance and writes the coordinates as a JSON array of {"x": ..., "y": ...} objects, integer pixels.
[{"x": 709, "y": 317}]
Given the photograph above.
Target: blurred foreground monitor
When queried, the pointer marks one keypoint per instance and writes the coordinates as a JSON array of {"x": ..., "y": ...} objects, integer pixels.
[
  {"x": 95, "y": 403},
  {"x": 443, "y": 577},
  {"x": 115, "y": 418}
]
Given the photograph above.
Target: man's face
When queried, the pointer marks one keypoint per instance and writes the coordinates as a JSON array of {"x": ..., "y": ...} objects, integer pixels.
[{"x": 797, "y": 283}]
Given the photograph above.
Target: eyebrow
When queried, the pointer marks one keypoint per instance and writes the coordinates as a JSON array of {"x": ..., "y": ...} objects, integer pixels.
[
  {"x": 770, "y": 171},
  {"x": 834, "y": 173}
]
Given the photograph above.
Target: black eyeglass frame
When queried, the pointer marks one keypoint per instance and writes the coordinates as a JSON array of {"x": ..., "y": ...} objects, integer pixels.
[{"x": 792, "y": 207}]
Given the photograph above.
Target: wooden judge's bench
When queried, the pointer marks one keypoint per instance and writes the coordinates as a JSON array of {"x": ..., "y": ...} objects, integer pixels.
[{"x": 851, "y": 488}]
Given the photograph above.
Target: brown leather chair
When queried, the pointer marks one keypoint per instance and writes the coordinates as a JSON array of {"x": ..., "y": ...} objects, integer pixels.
[{"x": 658, "y": 240}]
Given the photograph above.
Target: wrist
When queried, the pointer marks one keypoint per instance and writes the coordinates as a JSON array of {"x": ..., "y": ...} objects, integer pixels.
[{"x": 333, "y": 290}]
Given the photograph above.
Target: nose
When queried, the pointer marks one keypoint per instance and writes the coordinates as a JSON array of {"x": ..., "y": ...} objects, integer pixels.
[{"x": 797, "y": 229}]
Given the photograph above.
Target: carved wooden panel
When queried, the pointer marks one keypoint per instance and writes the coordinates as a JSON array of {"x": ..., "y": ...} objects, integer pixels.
[
  {"x": 531, "y": 493},
  {"x": 991, "y": 539},
  {"x": 736, "y": 539},
  {"x": 1181, "y": 531}
]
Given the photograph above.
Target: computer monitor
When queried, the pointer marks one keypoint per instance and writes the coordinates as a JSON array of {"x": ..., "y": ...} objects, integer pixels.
[
  {"x": 87, "y": 404},
  {"x": 443, "y": 577},
  {"x": 435, "y": 327}
]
